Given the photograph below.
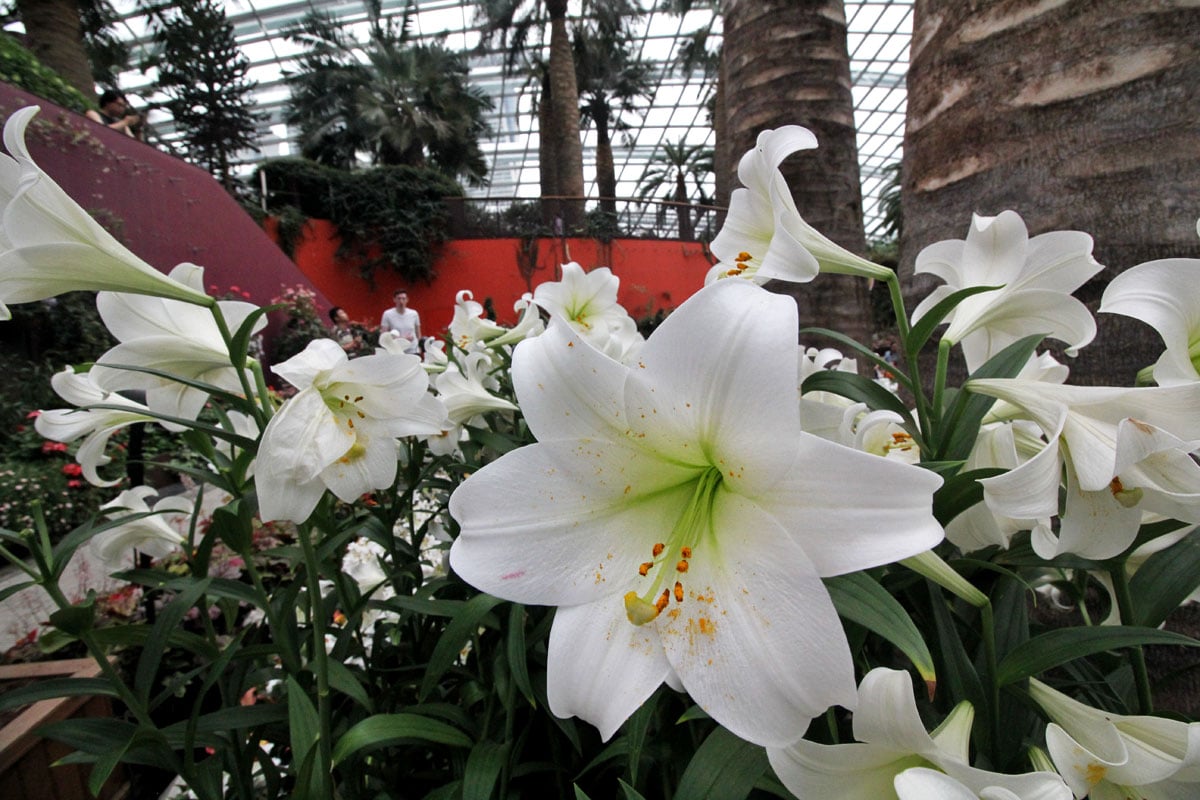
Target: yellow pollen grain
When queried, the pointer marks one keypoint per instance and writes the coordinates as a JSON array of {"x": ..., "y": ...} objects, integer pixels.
[
  {"x": 1095, "y": 773},
  {"x": 706, "y": 626}
]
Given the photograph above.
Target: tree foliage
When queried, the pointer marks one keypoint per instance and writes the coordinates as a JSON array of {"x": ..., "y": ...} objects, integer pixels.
[
  {"x": 203, "y": 73},
  {"x": 388, "y": 100}
]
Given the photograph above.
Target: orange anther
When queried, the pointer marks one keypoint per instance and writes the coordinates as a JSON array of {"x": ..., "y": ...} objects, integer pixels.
[
  {"x": 682, "y": 566},
  {"x": 685, "y": 552},
  {"x": 662, "y": 600},
  {"x": 658, "y": 548},
  {"x": 644, "y": 568},
  {"x": 678, "y": 592}
]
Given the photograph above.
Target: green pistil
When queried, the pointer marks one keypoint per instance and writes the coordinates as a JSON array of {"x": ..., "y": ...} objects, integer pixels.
[{"x": 671, "y": 559}]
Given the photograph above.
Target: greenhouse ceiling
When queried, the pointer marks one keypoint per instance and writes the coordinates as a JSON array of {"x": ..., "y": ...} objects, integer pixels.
[{"x": 879, "y": 31}]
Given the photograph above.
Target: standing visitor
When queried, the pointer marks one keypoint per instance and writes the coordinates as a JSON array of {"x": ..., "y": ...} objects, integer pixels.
[{"x": 403, "y": 320}]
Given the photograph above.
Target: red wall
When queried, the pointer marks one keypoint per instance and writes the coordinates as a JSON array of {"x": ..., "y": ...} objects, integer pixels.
[{"x": 655, "y": 274}]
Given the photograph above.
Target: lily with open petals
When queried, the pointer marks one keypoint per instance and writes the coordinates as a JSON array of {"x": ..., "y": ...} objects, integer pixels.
[
  {"x": 50, "y": 245},
  {"x": 1122, "y": 451},
  {"x": 173, "y": 337},
  {"x": 588, "y": 302},
  {"x": 97, "y": 425},
  {"x": 1034, "y": 280},
  {"x": 891, "y": 740},
  {"x": 764, "y": 237},
  {"x": 1109, "y": 756},
  {"x": 1164, "y": 294},
  {"x": 339, "y": 432},
  {"x": 681, "y": 521},
  {"x": 156, "y": 535}
]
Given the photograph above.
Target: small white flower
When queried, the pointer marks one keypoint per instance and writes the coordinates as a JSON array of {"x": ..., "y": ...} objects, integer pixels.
[
  {"x": 588, "y": 303},
  {"x": 1035, "y": 279},
  {"x": 157, "y": 535},
  {"x": 340, "y": 431},
  {"x": 1164, "y": 294}
]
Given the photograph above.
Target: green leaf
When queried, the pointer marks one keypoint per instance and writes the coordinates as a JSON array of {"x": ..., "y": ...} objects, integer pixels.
[
  {"x": 863, "y": 351},
  {"x": 9, "y": 591},
  {"x": 630, "y": 792},
  {"x": 232, "y": 718},
  {"x": 580, "y": 794},
  {"x": 382, "y": 730},
  {"x": 959, "y": 492},
  {"x": 304, "y": 726},
  {"x": 636, "y": 728},
  {"x": 855, "y": 387},
  {"x": 960, "y": 425},
  {"x": 460, "y": 630},
  {"x": 343, "y": 680},
  {"x": 919, "y": 334},
  {"x": 240, "y": 341},
  {"x": 483, "y": 768},
  {"x": 724, "y": 768},
  {"x": 233, "y": 523},
  {"x": 1059, "y": 646},
  {"x": 167, "y": 622},
  {"x": 55, "y": 687},
  {"x": 1165, "y": 580},
  {"x": 77, "y": 619},
  {"x": 958, "y": 673},
  {"x": 859, "y": 598},
  {"x": 518, "y": 663}
]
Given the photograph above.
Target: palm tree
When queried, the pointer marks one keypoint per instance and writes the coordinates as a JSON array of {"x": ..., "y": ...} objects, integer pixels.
[
  {"x": 1097, "y": 133},
  {"x": 395, "y": 102},
  {"x": 611, "y": 82},
  {"x": 520, "y": 25},
  {"x": 672, "y": 168},
  {"x": 786, "y": 62},
  {"x": 54, "y": 33}
]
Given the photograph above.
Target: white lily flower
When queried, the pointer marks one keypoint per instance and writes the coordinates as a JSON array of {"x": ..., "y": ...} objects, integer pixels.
[
  {"x": 363, "y": 563},
  {"x": 68, "y": 424},
  {"x": 174, "y": 337},
  {"x": 1123, "y": 452},
  {"x": 529, "y": 323},
  {"x": 764, "y": 237},
  {"x": 339, "y": 432},
  {"x": 51, "y": 245},
  {"x": 466, "y": 393},
  {"x": 469, "y": 326},
  {"x": 881, "y": 433},
  {"x": 1164, "y": 294},
  {"x": 156, "y": 535},
  {"x": 823, "y": 413},
  {"x": 588, "y": 302},
  {"x": 892, "y": 740},
  {"x": 1036, "y": 278},
  {"x": 1110, "y": 756},
  {"x": 680, "y": 520}
]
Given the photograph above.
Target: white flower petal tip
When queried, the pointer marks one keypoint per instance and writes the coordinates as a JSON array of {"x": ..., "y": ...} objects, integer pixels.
[
  {"x": 52, "y": 246},
  {"x": 674, "y": 502},
  {"x": 587, "y": 301},
  {"x": 1036, "y": 277},
  {"x": 764, "y": 237}
]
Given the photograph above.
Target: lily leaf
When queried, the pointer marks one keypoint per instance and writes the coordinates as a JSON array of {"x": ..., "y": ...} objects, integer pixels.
[
  {"x": 1059, "y": 646},
  {"x": 859, "y": 598}
]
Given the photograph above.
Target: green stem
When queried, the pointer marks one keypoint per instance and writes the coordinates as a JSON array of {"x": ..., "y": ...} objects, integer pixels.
[
  {"x": 939, "y": 377},
  {"x": 1137, "y": 656},
  {"x": 238, "y": 361},
  {"x": 988, "y": 625},
  {"x": 914, "y": 366},
  {"x": 316, "y": 616},
  {"x": 264, "y": 394}
]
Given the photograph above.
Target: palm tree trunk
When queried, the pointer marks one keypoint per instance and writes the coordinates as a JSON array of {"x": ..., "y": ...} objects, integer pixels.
[
  {"x": 606, "y": 175},
  {"x": 683, "y": 211},
  {"x": 564, "y": 114},
  {"x": 547, "y": 157},
  {"x": 54, "y": 33},
  {"x": 1009, "y": 108},
  {"x": 786, "y": 63}
]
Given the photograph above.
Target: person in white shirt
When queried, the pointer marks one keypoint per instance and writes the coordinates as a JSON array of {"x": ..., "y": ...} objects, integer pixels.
[{"x": 403, "y": 320}]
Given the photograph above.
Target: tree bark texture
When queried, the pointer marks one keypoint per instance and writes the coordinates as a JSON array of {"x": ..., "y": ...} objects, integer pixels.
[
  {"x": 786, "y": 63},
  {"x": 547, "y": 157},
  {"x": 564, "y": 114},
  {"x": 54, "y": 33},
  {"x": 1079, "y": 115}
]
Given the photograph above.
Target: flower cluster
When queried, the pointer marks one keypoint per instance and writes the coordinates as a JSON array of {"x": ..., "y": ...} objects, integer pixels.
[{"x": 567, "y": 515}]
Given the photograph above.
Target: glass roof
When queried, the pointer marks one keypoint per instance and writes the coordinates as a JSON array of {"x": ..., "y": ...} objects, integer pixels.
[{"x": 879, "y": 31}]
